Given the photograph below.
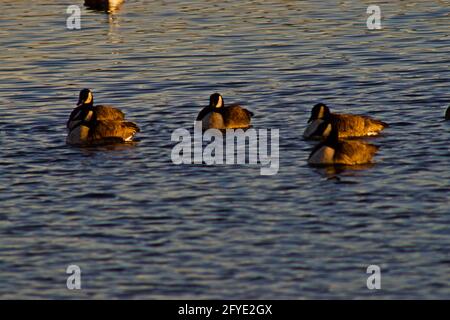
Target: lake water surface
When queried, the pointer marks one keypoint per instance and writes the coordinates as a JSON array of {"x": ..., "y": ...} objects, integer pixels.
[{"x": 139, "y": 226}]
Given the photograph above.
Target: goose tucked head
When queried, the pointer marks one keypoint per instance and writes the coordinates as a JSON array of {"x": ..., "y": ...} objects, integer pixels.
[
  {"x": 86, "y": 98},
  {"x": 216, "y": 101},
  {"x": 319, "y": 111}
]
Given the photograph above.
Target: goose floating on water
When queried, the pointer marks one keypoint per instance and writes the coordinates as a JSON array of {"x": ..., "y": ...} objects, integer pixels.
[
  {"x": 218, "y": 116},
  {"x": 333, "y": 151},
  {"x": 96, "y": 125},
  {"x": 348, "y": 125}
]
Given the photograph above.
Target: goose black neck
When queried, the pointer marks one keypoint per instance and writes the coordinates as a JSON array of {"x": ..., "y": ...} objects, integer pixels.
[
  {"x": 89, "y": 105},
  {"x": 333, "y": 137}
]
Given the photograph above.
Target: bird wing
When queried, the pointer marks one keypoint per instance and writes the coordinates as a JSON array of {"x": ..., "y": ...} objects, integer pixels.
[
  {"x": 108, "y": 113},
  {"x": 236, "y": 116},
  {"x": 354, "y": 152},
  {"x": 350, "y": 125},
  {"x": 119, "y": 129}
]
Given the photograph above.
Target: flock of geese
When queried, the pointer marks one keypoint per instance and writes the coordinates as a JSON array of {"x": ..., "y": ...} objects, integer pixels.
[
  {"x": 93, "y": 125},
  {"x": 90, "y": 125}
]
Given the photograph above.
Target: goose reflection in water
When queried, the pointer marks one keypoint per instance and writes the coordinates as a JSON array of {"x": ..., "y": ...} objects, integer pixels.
[
  {"x": 95, "y": 150},
  {"x": 338, "y": 172}
]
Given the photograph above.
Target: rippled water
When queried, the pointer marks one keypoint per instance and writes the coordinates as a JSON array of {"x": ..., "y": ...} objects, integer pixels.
[{"x": 141, "y": 227}]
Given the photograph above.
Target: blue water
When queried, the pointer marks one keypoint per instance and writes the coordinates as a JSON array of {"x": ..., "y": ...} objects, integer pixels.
[{"x": 139, "y": 226}]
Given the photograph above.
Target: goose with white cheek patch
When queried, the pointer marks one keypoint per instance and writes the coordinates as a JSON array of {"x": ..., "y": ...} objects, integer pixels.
[
  {"x": 348, "y": 125},
  {"x": 218, "y": 116},
  {"x": 333, "y": 151},
  {"x": 96, "y": 125}
]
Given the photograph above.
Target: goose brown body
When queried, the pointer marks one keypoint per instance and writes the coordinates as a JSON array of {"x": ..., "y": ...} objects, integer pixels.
[
  {"x": 341, "y": 152},
  {"x": 356, "y": 125},
  {"x": 354, "y": 152},
  {"x": 124, "y": 130},
  {"x": 109, "y": 113},
  {"x": 219, "y": 116},
  {"x": 101, "y": 113}
]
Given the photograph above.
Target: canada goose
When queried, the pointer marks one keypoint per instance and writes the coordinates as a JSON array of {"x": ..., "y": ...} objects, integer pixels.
[
  {"x": 348, "y": 125},
  {"x": 217, "y": 116},
  {"x": 92, "y": 125},
  {"x": 447, "y": 114},
  {"x": 344, "y": 152},
  {"x": 104, "y": 5}
]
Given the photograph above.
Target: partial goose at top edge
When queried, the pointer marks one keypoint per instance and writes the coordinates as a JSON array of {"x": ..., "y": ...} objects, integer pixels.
[{"x": 104, "y": 5}]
